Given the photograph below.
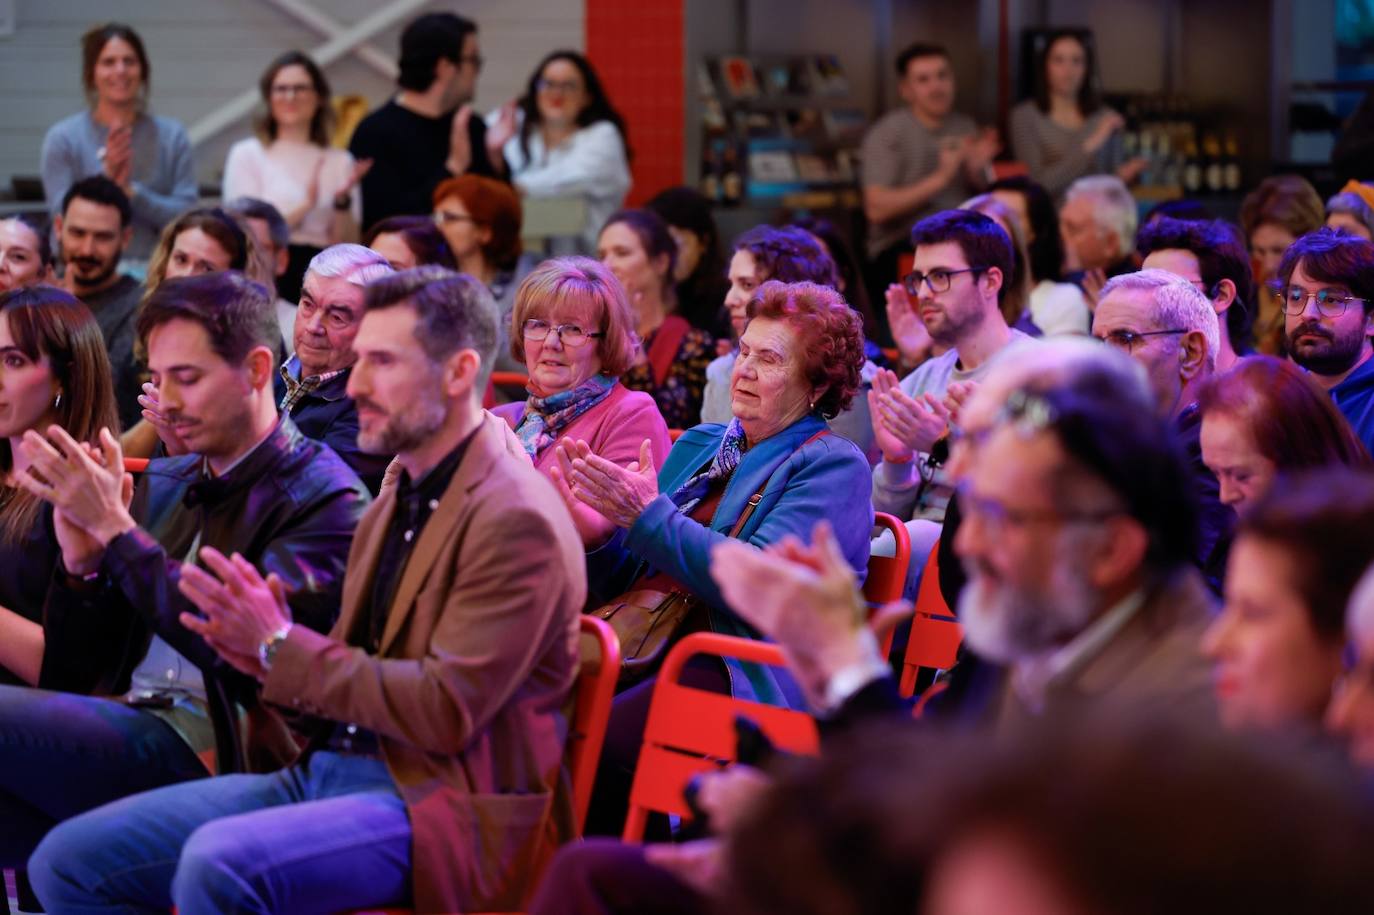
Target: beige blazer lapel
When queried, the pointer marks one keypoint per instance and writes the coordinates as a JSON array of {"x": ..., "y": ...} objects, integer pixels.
[{"x": 440, "y": 527}]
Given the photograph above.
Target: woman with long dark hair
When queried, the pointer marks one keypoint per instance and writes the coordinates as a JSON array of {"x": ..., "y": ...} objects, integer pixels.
[
  {"x": 1064, "y": 131},
  {"x": 571, "y": 141},
  {"x": 53, "y": 371},
  {"x": 1055, "y": 307},
  {"x": 291, "y": 165},
  {"x": 148, "y": 156}
]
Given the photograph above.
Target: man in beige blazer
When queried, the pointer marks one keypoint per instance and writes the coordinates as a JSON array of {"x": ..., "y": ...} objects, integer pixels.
[{"x": 436, "y": 700}]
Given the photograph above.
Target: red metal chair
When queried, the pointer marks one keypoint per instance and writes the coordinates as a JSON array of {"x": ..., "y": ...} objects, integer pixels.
[
  {"x": 135, "y": 465},
  {"x": 593, "y": 692},
  {"x": 935, "y": 633},
  {"x": 691, "y": 730},
  {"x": 675, "y": 434},
  {"x": 887, "y": 574}
]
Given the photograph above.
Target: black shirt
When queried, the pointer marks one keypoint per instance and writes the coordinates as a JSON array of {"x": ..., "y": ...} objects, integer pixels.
[
  {"x": 28, "y": 563},
  {"x": 415, "y": 502},
  {"x": 408, "y": 152}
]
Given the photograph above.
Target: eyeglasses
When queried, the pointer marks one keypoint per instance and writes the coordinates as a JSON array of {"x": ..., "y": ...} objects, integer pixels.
[
  {"x": 443, "y": 218},
  {"x": 997, "y": 517},
  {"x": 475, "y": 59},
  {"x": 293, "y": 91},
  {"x": 552, "y": 85},
  {"x": 568, "y": 334},
  {"x": 1331, "y": 303},
  {"x": 1126, "y": 340},
  {"x": 938, "y": 280}
]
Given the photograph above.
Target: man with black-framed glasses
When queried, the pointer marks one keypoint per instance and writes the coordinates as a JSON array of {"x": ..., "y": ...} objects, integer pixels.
[
  {"x": 962, "y": 262},
  {"x": 1164, "y": 322},
  {"x": 1326, "y": 284}
]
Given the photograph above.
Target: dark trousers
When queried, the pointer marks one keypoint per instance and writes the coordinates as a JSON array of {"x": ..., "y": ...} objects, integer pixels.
[
  {"x": 604, "y": 877},
  {"x": 63, "y": 754}
]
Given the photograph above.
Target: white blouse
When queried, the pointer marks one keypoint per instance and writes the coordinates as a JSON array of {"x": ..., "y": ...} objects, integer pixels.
[
  {"x": 591, "y": 163},
  {"x": 281, "y": 173}
]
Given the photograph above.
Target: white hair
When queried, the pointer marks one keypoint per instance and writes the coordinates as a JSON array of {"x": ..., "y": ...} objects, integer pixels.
[
  {"x": 1359, "y": 613},
  {"x": 1115, "y": 210},
  {"x": 352, "y": 263},
  {"x": 1178, "y": 305}
]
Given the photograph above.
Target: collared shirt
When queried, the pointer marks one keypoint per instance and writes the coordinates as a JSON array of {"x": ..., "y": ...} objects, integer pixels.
[
  {"x": 1033, "y": 678},
  {"x": 298, "y": 387},
  {"x": 415, "y": 503}
]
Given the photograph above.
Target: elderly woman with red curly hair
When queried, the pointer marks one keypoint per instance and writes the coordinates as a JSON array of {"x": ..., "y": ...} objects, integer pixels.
[{"x": 799, "y": 361}]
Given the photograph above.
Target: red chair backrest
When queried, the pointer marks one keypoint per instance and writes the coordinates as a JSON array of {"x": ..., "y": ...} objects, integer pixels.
[
  {"x": 516, "y": 380},
  {"x": 675, "y": 434},
  {"x": 887, "y": 574},
  {"x": 691, "y": 730},
  {"x": 594, "y": 690},
  {"x": 135, "y": 465},
  {"x": 935, "y": 633}
]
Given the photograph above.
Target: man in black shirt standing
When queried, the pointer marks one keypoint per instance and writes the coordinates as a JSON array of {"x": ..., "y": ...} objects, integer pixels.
[{"x": 428, "y": 132}]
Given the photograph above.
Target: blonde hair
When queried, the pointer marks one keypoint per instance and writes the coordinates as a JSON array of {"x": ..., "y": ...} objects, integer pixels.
[{"x": 587, "y": 285}]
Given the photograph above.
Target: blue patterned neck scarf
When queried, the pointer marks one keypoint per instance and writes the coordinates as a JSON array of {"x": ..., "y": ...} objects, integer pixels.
[
  {"x": 728, "y": 456},
  {"x": 545, "y": 418}
]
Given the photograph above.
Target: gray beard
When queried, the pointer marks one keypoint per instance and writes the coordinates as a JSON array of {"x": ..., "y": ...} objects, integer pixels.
[{"x": 1009, "y": 625}]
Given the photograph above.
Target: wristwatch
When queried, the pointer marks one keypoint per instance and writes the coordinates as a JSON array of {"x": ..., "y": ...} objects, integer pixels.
[
  {"x": 267, "y": 649},
  {"x": 343, "y": 201}
]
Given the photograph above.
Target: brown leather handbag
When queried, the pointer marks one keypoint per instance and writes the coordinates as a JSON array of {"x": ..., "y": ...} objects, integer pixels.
[{"x": 645, "y": 620}]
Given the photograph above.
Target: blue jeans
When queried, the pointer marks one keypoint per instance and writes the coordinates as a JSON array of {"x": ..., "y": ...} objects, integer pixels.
[
  {"x": 327, "y": 835},
  {"x": 63, "y": 754}
]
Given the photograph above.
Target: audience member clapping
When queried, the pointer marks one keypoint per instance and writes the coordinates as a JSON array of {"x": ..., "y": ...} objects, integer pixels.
[
  {"x": 54, "y": 372},
  {"x": 799, "y": 362},
  {"x": 569, "y": 141},
  {"x": 574, "y": 333},
  {"x": 1098, "y": 219},
  {"x": 148, "y": 156},
  {"x": 292, "y": 165}
]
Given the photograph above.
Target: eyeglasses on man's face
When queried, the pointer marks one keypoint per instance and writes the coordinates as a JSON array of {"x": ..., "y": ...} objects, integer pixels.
[
  {"x": 938, "y": 280},
  {"x": 1128, "y": 340},
  {"x": 570, "y": 334},
  {"x": 1331, "y": 303}
]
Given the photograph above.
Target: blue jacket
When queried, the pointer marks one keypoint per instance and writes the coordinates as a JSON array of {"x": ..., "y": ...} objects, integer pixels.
[
  {"x": 1354, "y": 397},
  {"x": 807, "y": 481}
]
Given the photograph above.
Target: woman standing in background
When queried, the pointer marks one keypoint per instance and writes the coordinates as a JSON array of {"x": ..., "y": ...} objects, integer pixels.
[
  {"x": 1065, "y": 132},
  {"x": 291, "y": 165},
  {"x": 148, "y": 156}
]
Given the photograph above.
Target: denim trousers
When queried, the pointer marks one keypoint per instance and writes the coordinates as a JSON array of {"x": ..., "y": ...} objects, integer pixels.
[
  {"x": 326, "y": 835},
  {"x": 62, "y": 754}
]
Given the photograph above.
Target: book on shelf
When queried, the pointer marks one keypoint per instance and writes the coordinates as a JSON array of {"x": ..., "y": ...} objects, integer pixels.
[
  {"x": 813, "y": 167},
  {"x": 738, "y": 77},
  {"x": 829, "y": 77},
  {"x": 845, "y": 126},
  {"x": 771, "y": 166}
]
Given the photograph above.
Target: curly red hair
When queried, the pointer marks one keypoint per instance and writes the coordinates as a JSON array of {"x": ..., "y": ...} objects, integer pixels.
[{"x": 831, "y": 333}]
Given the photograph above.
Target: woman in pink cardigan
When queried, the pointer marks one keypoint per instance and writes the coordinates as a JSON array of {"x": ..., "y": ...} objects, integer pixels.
[{"x": 573, "y": 328}]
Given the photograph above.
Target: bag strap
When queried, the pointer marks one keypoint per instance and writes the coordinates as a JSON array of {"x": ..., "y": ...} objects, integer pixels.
[
  {"x": 667, "y": 341},
  {"x": 757, "y": 497}
]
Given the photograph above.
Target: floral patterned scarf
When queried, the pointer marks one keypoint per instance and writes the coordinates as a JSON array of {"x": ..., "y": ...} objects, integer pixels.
[
  {"x": 545, "y": 418},
  {"x": 727, "y": 458}
]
